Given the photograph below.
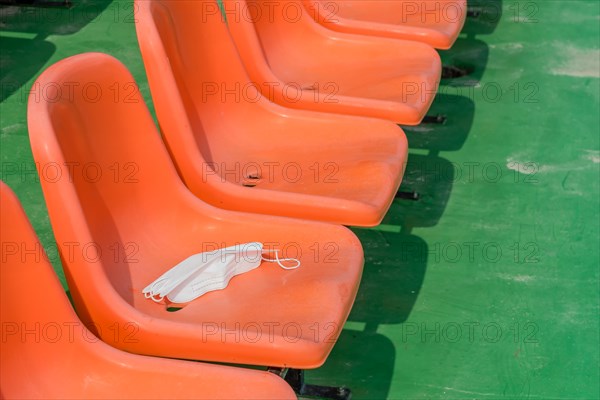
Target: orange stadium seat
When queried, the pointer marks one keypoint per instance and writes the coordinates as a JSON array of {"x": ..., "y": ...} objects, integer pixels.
[
  {"x": 114, "y": 191},
  {"x": 47, "y": 353},
  {"x": 237, "y": 150},
  {"x": 282, "y": 45},
  {"x": 434, "y": 22}
]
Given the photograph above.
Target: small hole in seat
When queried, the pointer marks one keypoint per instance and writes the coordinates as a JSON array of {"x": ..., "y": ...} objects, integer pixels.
[{"x": 251, "y": 180}]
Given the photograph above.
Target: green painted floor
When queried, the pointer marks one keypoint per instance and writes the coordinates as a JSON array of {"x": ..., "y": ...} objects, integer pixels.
[{"x": 486, "y": 288}]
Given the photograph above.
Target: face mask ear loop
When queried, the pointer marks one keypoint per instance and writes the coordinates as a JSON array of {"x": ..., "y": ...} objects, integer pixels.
[
  {"x": 155, "y": 299},
  {"x": 152, "y": 296},
  {"x": 279, "y": 260},
  {"x": 155, "y": 291}
]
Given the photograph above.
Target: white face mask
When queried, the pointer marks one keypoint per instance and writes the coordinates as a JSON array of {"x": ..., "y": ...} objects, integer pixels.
[{"x": 208, "y": 271}]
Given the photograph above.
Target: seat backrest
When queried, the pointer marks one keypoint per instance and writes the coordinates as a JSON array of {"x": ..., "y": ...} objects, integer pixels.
[
  {"x": 37, "y": 320},
  {"x": 267, "y": 16},
  {"x": 266, "y": 24},
  {"x": 422, "y": 14},
  {"x": 193, "y": 36},
  {"x": 108, "y": 182},
  {"x": 197, "y": 79},
  {"x": 91, "y": 130},
  {"x": 270, "y": 36},
  {"x": 29, "y": 288}
]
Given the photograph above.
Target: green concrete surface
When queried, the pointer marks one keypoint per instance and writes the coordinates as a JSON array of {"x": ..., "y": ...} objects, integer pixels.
[{"x": 487, "y": 287}]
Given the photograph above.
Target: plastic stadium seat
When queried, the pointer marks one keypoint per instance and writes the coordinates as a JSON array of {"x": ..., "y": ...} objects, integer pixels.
[
  {"x": 111, "y": 189},
  {"x": 435, "y": 22},
  {"x": 296, "y": 60},
  {"x": 237, "y": 150},
  {"x": 47, "y": 353}
]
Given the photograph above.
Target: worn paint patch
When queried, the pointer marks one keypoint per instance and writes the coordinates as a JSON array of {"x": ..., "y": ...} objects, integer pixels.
[
  {"x": 522, "y": 167},
  {"x": 576, "y": 62},
  {"x": 516, "y": 278},
  {"x": 421, "y": 129},
  {"x": 592, "y": 155},
  {"x": 7, "y": 130},
  {"x": 508, "y": 47}
]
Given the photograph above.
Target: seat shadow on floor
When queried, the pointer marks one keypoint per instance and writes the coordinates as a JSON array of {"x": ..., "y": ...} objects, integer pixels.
[
  {"x": 21, "y": 60},
  {"x": 395, "y": 266},
  {"x": 394, "y": 269},
  {"x": 46, "y": 21},
  {"x": 451, "y": 136},
  {"x": 362, "y": 361},
  {"x": 432, "y": 177},
  {"x": 469, "y": 54},
  {"x": 489, "y": 17},
  {"x": 396, "y": 259}
]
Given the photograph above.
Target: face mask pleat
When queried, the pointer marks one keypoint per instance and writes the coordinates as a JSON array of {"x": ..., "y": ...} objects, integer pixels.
[{"x": 208, "y": 271}]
